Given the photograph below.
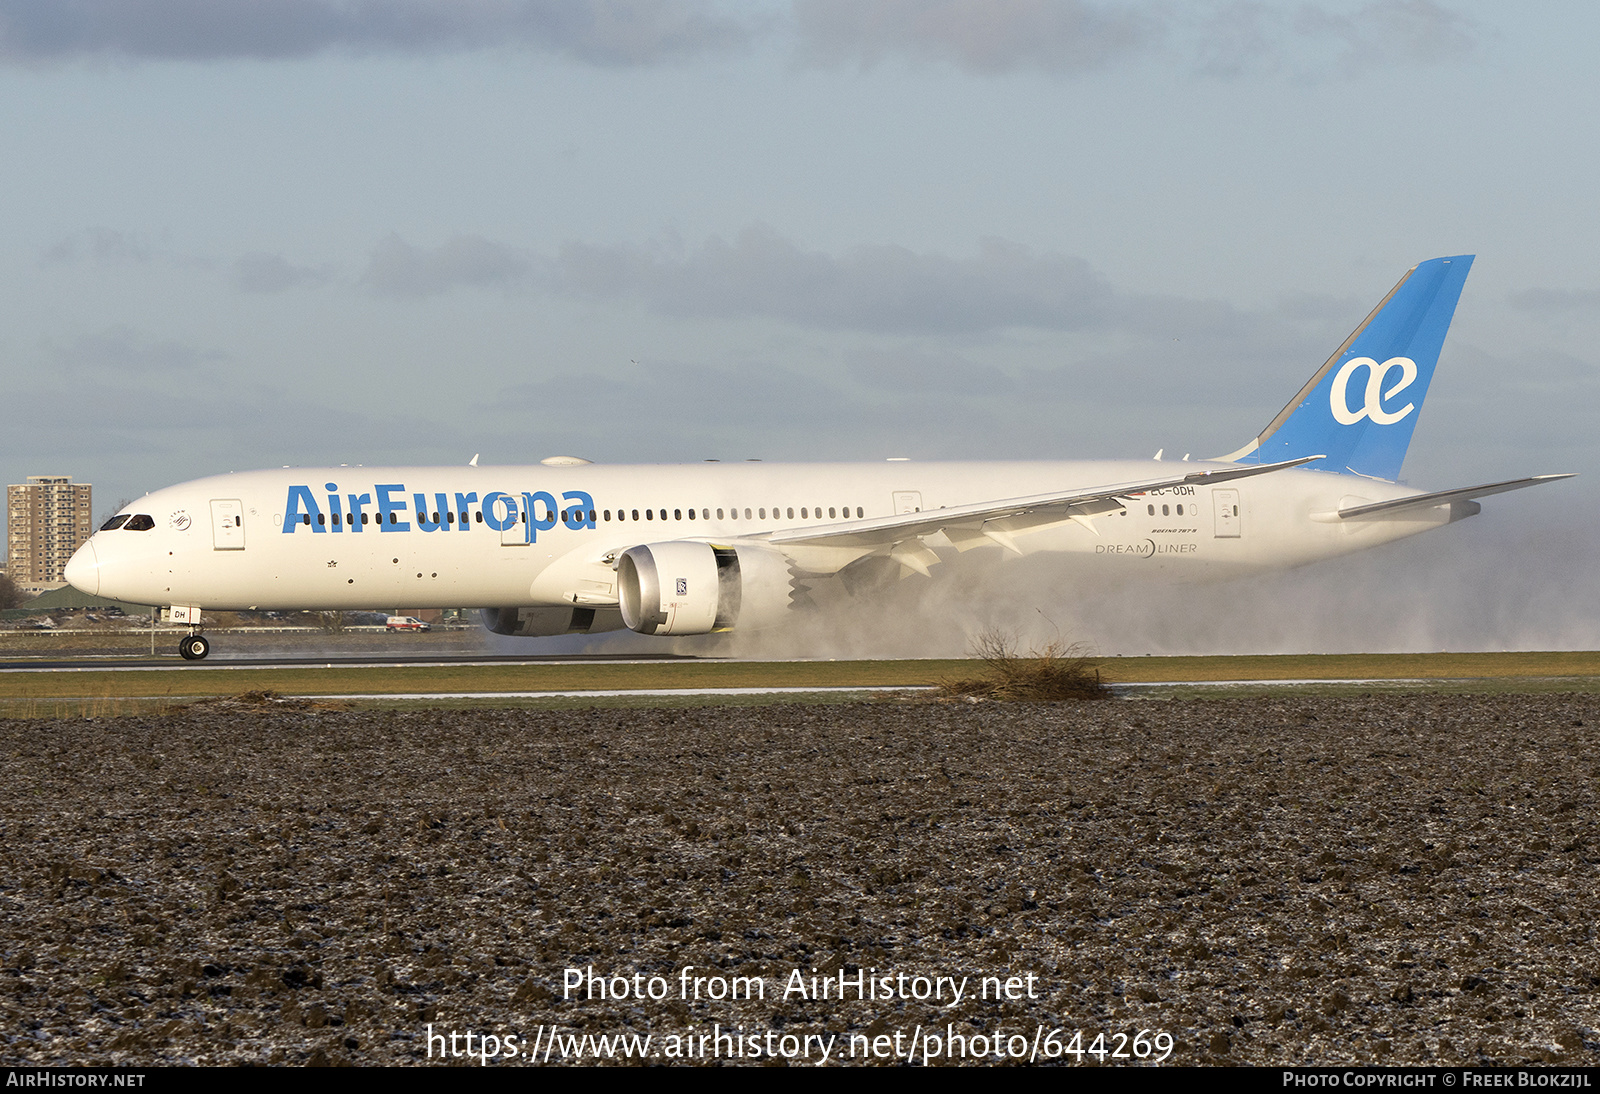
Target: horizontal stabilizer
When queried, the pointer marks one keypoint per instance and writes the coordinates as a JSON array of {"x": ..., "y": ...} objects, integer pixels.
[{"x": 1387, "y": 509}]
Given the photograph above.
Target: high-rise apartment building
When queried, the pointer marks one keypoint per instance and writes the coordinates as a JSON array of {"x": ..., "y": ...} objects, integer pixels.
[{"x": 47, "y": 519}]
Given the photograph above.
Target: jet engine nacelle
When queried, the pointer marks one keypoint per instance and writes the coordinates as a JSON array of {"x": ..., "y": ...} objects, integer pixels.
[
  {"x": 683, "y": 587},
  {"x": 547, "y": 622}
]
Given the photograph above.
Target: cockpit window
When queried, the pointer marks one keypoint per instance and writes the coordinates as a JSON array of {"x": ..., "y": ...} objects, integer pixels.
[
  {"x": 115, "y": 522},
  {"x": 140, "y": 522}
]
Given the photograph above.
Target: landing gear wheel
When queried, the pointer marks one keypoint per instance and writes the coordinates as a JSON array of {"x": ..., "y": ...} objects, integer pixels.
[{"x": 194, "y": 647}]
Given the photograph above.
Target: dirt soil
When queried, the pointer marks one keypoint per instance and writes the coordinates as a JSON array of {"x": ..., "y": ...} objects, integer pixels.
[{"x": 1265, "y": 881}]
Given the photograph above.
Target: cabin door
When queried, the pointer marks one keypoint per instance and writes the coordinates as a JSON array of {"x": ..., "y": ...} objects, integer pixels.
[
  {"x": 227, "y": 525},
  {"x": 1226, "y": 503}
]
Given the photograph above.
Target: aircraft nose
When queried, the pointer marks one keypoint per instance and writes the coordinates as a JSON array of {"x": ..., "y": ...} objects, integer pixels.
[{"x": 83, "y": 570}]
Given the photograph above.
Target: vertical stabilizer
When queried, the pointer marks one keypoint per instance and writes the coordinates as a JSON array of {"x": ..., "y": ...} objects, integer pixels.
[{"x": 1362, "y": 405}]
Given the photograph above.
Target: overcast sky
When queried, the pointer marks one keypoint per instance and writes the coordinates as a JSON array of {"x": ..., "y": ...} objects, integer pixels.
[{"x": 236, "y": 234}]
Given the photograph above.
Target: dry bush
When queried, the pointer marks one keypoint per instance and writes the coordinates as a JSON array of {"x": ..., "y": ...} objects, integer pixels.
[
  {"x": 1056, "y": 673},
  {"x": 10, "y": 595}
]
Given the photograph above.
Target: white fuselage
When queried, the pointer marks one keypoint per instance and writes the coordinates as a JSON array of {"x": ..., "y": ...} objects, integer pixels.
[{"x": 393, "y": 537}]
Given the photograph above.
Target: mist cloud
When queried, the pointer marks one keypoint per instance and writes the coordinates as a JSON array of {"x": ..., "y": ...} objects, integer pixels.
[
  {"x": 1150, "y": 343},
  {"x": 1003, "y": 287},
  {"x": 1237, "y": 38},
  {"x": 603, "y": 32},
  {"x": 1390, "y": 32},
  {"x": 97, "y": 245},
  {"x": 123, "y": 350},
  {"x": 1068, "y": 37},
  {"x": 270, "y": 273},
  {"x": 1554, "y": 300},
  {"x": 396, "y": 268},
  {"x": 872, "y": 288},
  {"x": 911, "y": 370},
  {"x": 980, "y": 36}
]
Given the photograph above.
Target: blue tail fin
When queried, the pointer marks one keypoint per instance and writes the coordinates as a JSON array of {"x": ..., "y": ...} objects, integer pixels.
[{"x": 1360, "y": 408}]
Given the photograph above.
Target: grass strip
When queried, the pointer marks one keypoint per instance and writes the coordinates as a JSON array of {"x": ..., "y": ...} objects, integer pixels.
[{"x": 194, "y": 681}]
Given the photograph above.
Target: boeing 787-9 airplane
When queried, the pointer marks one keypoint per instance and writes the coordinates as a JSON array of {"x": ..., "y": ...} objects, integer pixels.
[{"x": 568, "y": 546}]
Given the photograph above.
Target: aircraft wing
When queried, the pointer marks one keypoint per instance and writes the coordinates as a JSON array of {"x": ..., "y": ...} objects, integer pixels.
[
  {"x": 1386, "y": 509},
  {"x": 995, "y": 520}
]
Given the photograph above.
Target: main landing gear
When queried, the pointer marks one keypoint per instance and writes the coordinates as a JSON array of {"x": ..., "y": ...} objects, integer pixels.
[{"x": 194, "y": 647}]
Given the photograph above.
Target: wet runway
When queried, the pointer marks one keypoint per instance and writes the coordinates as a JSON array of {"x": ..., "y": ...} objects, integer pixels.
[{"x": 165, "y": 664}]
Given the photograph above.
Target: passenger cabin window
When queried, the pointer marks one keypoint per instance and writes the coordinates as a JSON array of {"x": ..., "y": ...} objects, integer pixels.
[{"x": 115, "y": 522}]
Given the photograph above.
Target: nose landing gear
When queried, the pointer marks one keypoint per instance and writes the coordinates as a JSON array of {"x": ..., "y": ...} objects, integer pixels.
[{"x": 193, "y": 646}]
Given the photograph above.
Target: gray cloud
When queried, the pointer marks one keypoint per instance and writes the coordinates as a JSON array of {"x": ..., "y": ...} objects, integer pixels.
[
  {"x": 258, "y": 272},
  {"x": 605, "y": 32},
  {"x": 1549, "y": 300},
  {"x": 1066, "y": 37},
  {"x": 762, "y": 409},
  {"x": 1246, "y": 36},
  {"x": 130, "y": 437},
  {"x": 756, "y": 408},
  {"x": 97, "y": 245},
  {"x": 1319, "y": 307},
  {"x": 981, "y": 36},
  {"x": 769, "y": 395},
  {"x": 1523, "y": 382},
  {"x": 907, "y": 370},
  {"x": 875, "y": 288},
  {"x": 396, "y": 268},
  {"x": 884, "y": 290},
  {"x": 1390, "y": 32},
  {"x": 122, "y": 350},
  {"x": 985, "y": 37}
]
